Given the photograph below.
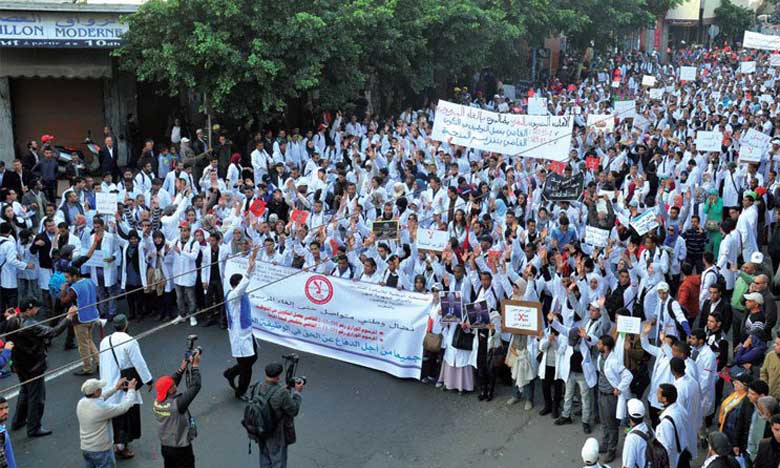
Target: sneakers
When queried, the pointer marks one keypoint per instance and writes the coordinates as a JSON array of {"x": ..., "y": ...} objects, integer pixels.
[
  {"x": 193, "y": 321},
  {"x": 178, "y": 319},
  {"x": 563, "y": 420},
  {"x": 512, "y": 401},
  {"x": 586, "y": 428},
  {"x": 545, "y": 411},
  {"x": 528, "y": 405}
]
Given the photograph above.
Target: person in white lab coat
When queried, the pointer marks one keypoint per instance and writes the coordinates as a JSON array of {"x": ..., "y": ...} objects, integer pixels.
[
  {"x": 9, "y": 264},
  {"x": 689, "y": 397},
  {"x": 242, "y": 342},
  {"x": 747, "y": 225},
  {"x": 106, "y": 277},
  {"x": 707, "y": 365},
  {"x": 635, "y": 443},
  {"x": 671, "y": 431},
  {"x": 613, "y": 385},
  {"x": 120, "y": 352}
]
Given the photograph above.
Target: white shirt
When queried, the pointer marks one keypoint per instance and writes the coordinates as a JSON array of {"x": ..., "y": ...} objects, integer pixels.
[
  {"x": 9, "y": 263},
  {"x": 128, "y": 354},
  {"x": 634, "y": 447}
]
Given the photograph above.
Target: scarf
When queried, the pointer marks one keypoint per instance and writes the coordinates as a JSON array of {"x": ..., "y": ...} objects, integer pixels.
[
  {"x": 731, "y": 402},
  {"x": 671, "y": 238}
]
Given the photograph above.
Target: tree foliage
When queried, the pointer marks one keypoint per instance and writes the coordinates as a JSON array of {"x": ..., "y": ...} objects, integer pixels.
[
  {"x": 253, "y": 56},
  {"x": 733, "y": 19}
]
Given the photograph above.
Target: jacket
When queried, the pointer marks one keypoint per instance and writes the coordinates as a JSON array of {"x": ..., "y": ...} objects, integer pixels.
[
  {"x": 723, "y": 308},
  {"x": 768, "y": 454},
  {"x": 688, "y": 295},
  {"x": 173, "y": 412},
  {"x": 108, "y": 162},
  {"x": 285, "y": 405},
  {"x": 43, "y": 252},
  {"x": 29, "y": 354},
  {"x": 770, "y": 373}
]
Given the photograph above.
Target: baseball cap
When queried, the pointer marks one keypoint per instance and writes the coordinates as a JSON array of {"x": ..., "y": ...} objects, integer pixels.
[
  {"x": 636, "y": 409},
  {"x": 590, "y": 451},
  {"x": 162, "y": 386},
  {"x": 755, "y": 297},
  {"x": 91, "y": 386},
  {"x": 28, "y": 304},
  {"x": 662, "y": 286}
]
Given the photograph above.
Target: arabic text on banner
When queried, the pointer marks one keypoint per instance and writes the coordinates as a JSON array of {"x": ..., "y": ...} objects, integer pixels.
[
  {"x": 431, "y": 239},
  {"x": 753, "y": 145},
  {"x": 688, "y": 73},
  {"x": 754, "y": 40},
  {"x": 596, "y": 237},
  {"x": 106, "y": 202},
  {"x": 365, "y": 324},
  {"x": 533, "y": 136},
  {"x": 645, "y": 222},
  {"x": 708, "y": 141}
]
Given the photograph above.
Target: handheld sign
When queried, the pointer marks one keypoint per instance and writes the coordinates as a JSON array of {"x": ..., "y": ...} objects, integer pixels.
[
  {"x": 603, "y": 122},
  {"x": 451, "y": 306},
  {"x": 626, "y": 324},
  {"x": 257, "y": 207},
  {"x": 708, "y": 141},
  {"x": 478, "y": 314},
  {"x": 96, "y": 260},
  {"x": 752, "y": 146},
  {"x": 106, "y": 202},
  {"x": 656, "y": 93},
  {"x": 648, "y": 80},
  {"x": 747, "y": 67},
  {"x": 432, "y": 239},
  {"x": 521, "y": 317},
  {"x": 596, "y": 237},
  {"x": 592, "y": 163},
  {"x": 643, "y": 223},
  {"x": 687, "y": 73},
  {"x": 560, "y": 188},
  {"x": 625, "y": 109},
  {"x": 299, "y": 216},
  {"x": 774, "y": 60},
  {"x": 537, "y": 106},
  {"x": 385, "y": 230}
]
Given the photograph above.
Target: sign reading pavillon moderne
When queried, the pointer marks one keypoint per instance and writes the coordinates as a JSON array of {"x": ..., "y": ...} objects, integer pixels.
[{"x": 60, "y": 30}]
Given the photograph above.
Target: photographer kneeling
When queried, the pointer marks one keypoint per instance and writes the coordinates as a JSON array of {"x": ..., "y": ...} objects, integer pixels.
[
  {"x": 171, "y": 408},
  {"x": 285, "y": 403}
]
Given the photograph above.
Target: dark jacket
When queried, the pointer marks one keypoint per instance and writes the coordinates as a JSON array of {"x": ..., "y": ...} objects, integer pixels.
[
  {"x": 44, "y": 257},
  {"x": 725, "y": 462},
  {"x": 29, "y": 160},
  {"x": 12, "y": 181},
  {"x": 284, "y": 406},
  {"x": 108, "y": 164},
  {"x": 738, "y": 424},
  {"x": 723, "y": 308},
  {"x": 30, "y": 350},
  {"x": 768, "y": 454}
]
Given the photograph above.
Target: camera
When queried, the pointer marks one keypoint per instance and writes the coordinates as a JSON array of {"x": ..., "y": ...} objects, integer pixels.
[
  {"x": 291, "y": 366},
  {"x": 191, "y": 348}
]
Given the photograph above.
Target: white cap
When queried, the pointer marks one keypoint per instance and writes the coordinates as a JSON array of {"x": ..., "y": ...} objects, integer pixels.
[
  {"x": 636, "y": 409},
  {"x": 755, "y": 297},
  {"x": 662, "y": 286},
  {"x": 185, "y": 140},
  {"x": 757, "y": 258},
  {"x": 91, "y": 386},
  {"x": 590, "y": 451}
]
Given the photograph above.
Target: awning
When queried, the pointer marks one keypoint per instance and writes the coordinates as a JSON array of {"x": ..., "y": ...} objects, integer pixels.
[{"x": 55, "y": 63}]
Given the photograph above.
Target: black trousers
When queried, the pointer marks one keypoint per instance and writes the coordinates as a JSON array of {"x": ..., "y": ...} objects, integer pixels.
[
  {"x": 243, "y": 369},
  {"x": 8, "y": 298},
  {"x": 552, "y": 390},
  {"x": 215, "y": 295},
  {"x": 178, "y": 457},
  {"x": 127, "y": 427},
  {"x": 30, "y": 404},
  {"x": 134, "y": 301}
]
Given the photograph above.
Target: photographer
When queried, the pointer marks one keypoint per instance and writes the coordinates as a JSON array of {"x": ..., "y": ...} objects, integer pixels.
[
  {"x": 171, "y": 408},
  {"x": 29, "y": 358},
  {"x": 285, "y": 404}
]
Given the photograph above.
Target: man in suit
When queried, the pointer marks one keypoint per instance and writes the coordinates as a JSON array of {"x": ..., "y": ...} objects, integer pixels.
[
  {"x": 200, "y": 145},
  {"x": 31, "y": 158},
  {"x": 42, "y": 247},
  {"x": 108, "y": 159},
  {"x": 13, "y": 180},
  {"x": 716, "y": 304}
]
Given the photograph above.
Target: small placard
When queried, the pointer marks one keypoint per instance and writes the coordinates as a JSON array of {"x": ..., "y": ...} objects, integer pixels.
[{"x": 522, "y": 317}]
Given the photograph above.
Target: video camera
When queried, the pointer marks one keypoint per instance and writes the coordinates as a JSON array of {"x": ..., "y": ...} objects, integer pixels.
[
  {"x": 191, "y": 348},
  {"x": 291, "y": 366}
]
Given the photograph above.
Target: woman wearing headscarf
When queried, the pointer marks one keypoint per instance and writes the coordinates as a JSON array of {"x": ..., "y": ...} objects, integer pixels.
[
  {"x": 161, "y": 260},
  {"x": 234, "y": 171},
  {"x": 736, "y": 410},
  {"x": 713, "y": 215}
]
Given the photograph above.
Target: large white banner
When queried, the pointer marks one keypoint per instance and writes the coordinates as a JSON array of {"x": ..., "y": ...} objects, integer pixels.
[
  {"x": 688, "y": 73},
  {"x": 754, "y": 40},
  {"x": 360, "y": 323},
  {"x": 533, "y": 136},
  {"x": 708, "y": 141},
  {"x": 537, "y": 106}
]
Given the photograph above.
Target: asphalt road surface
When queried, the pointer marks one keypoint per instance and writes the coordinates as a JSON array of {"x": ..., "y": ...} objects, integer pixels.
[{"x": 351, "y": 417}]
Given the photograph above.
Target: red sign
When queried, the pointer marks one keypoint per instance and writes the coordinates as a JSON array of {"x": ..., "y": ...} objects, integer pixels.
[
  {"x": 257, "y": 207},
  {"x": 319, "y": 289},
  {"x": 299, "y": 216},
  {"x": 659, "y": 24},
  {"x": 592, "y": 163},
  {"x": 557, "y": 167}
]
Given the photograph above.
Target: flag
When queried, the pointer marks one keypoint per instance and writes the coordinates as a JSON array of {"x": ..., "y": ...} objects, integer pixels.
[
  {"x": 557, "y": 167},
  {"x": 592, "y": 163},
  {"x": 299, "y": 216},
  {"x": 257, "y": 207}
]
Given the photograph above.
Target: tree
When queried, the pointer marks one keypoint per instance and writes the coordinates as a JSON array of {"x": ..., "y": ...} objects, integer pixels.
[{"x": 733, "y": 19}]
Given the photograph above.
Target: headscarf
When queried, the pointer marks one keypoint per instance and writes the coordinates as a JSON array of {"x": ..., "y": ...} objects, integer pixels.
[
  {"x": 500, "y": 211},
  {"x": 671, "y": 238}
]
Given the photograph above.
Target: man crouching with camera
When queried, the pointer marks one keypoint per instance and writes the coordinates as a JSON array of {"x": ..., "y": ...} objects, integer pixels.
[
  {"x": 177, "y": 428},
  {"x": 285, "y": 402}
]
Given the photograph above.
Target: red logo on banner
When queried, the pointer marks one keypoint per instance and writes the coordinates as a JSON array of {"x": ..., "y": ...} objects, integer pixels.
[
  {"x": 592, "y": 163},
  {"x": 319, "y": 289},
  {"x": 557, "y": 167},
  {"x": 299, "y": 216},
  {"x": 257, "y": 207}
]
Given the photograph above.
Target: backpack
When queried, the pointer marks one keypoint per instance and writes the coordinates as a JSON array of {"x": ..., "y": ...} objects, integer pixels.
[
  {"x": 55, "y": 283},
  {"x": 685, "y": 455},
  {"x": 720, "y": 281},
  {"x": 680, "y": 329},
  {"x": 655, "y": 453},
  {"x": 259, "y": 420}
]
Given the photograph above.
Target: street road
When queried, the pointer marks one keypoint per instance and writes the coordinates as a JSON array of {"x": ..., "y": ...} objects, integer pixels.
[{"x": 351, "y": 417}]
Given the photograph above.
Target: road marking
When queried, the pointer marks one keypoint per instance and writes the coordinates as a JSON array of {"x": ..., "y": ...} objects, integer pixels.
[{"x": 53, "y": 376}]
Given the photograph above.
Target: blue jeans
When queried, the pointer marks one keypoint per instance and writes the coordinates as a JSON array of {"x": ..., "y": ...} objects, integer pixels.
[
  {"x": 107, "y": 309},
  {"x": 99, "y": 459}
]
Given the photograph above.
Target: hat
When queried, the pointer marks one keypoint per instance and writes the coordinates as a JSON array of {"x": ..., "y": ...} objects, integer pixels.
[
  {"x": 46, "y": 138},
  {"x": 185, "y": 140},
  {"x": 595, "y": 304},
  {"x": 274, "y": 370},
  {"x": 322, "y": 126},
  {"x": 775, "y": 142},
  {"x": 184, "y": 224},
  {"x": 633, "y": 202},
  {"x": 91, "y": 386},
  {"x": 28, "y": 304},
  {"x": 755, "y": 297},
  {"x": 751, "y": 194},
  {"x": 757, "y": 257},
  {"x": 662, "y": 286},
  {"x": 273, "y": 218},
  {"x": 743, "y": 377},
  {"x": 120, "y": 320},
  {"x": 719, "y": 443},
  {"x": 590, "y": 451},
  {"x": 162, "y": 386},
  {"x": 636, "y": 409}
]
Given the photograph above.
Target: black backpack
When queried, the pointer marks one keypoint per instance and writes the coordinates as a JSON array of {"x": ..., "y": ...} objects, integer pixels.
[
  {"x": 677, "y": 324},
  {"x": 655, "y": 453},
  {"x": 720, "y": 281},
  {"x": 259, "y": 420}
]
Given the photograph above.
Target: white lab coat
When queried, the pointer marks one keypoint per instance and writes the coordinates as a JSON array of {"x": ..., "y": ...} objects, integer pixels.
[
  {"x": 562, "y": 366},
  {"x": 205, "y": 272},
  {"x": 110, "y": 248},
  {"x": 688, "y": 397},
  {"x": 128, "y": 354},
  {"x": 728, "y": 252},
  {"x": 184, "y": 271},
  {"x": 661, "y": 371},
  {"x": 634, "y": 447},
  {"x": 141, "y": 264},
  {"x": 619, "y": 377},
  {"x": 707, "y": 363},
  {"x": 747, "y": 225},
  {"x": 665, "y": 432},
  {"x": 458, "y": 357},
  {"x": 241, "y": 340},
  {"x": 9, "y": 263}
]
